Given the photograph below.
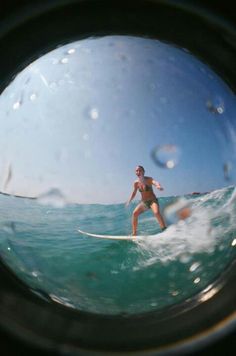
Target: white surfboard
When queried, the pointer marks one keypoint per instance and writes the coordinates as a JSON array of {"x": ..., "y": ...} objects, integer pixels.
[{"x": 113, "y": 237}]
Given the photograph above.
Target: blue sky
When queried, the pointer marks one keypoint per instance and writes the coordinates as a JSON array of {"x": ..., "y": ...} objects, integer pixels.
[{"x": 83, "y": 116}]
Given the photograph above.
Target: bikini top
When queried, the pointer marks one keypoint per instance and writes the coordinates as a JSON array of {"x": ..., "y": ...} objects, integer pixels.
[{"x": 148, "y": 188}]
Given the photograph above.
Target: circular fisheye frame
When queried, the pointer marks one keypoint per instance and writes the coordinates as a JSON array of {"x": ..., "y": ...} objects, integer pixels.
[{"x": 117, "y": 176}]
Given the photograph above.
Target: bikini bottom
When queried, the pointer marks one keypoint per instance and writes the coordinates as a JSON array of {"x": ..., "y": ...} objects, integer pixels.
[{"x": 148, "y": 203}]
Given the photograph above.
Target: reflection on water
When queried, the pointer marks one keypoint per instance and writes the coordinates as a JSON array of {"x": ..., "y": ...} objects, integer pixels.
[{"x": 74, "y": 124}]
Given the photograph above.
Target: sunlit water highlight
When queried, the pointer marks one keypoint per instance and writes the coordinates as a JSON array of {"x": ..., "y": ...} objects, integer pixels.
[{"x": 41, "y": 245}]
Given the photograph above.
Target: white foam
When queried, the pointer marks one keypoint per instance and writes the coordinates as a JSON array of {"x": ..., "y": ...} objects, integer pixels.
[{"x": 194, "y": 235}]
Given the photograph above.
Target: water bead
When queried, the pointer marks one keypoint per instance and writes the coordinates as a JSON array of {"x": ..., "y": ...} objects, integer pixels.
[
  {"x": 215, "y": 106},
  {"x": 33, "y": 97},
  {"x": 185, "y": 258},
  {"x": 220, "y": 110},
  {"x": 93, "y": 113},
  {"x": 194, "y": 266},
  {"x": 17, "y": 105},
  {"x": 175, "y": 293},
  {"x": 179, "y": 210},
  {"x": 154, "y": 304},
  {"x": 227, "y": 167},
  {"x": 53, "y": 197},
  {"x": 64, "y": 60},
  {"x": 166, "y": 156},
  {"x": 197, "y": 280},
  {"x": 208, "y": 294},
  {"x": 71, "y": 51}
]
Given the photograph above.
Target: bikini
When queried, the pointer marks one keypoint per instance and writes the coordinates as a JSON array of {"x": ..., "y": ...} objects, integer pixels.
[
  {"x": 147, "y": 188},
  {"x": 148, "y": 203}
]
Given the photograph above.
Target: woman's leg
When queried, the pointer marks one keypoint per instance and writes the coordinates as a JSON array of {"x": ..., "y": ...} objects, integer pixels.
[
  {"x": 156, "y": 211},
  {"x": 137, "y": 211}
]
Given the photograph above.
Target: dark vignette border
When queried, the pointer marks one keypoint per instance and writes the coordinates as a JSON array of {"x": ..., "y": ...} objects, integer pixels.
[{"x": 30, "y": 29}]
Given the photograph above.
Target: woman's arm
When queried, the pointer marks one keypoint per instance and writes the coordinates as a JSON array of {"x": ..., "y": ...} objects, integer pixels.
[
  {"x": 133, "y": 194},
  {"x": 157, "y": 185}
]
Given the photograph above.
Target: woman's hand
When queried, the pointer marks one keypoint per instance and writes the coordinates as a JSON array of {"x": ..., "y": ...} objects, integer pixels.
[{"x": 157, "y": 185}]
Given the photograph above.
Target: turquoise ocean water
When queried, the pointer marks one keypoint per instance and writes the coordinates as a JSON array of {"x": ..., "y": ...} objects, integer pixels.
[{"x": 41, "y": 244}]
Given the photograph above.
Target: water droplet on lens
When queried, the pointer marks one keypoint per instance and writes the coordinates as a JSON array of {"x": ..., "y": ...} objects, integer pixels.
[
  {"x": 208, "y": 293},
  {"x": 53, "y": 197},
  {"x": 227, "y": 170},
  {"x": 154, "y": 304},
  {"x": 215, "y": 106},
  {"x": 64, "y": 60},
  {"x": 179, "y": 210},
  {"x": 222, "y": 248},
  {"x": 93, "y": 113},
  {"x": 220, "y": 110},
  {"x": 17, "y": 105},
  {"x": 114, "y": 272},
  {"x": 185, "y": 258},
  {"x": 194, "y": 266},
  {"x": 170, "y": 164},
  {"x": 71, "y": 51},
  {"x": 33, "y": 97},
  {"x": 166, "y": 156},
  {"x": 35, "y": 274},
  {"x": 7, "y": 176}
]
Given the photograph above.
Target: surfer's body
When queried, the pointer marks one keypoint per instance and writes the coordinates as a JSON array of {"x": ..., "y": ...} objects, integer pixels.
[{"x": 149, "y": 200}]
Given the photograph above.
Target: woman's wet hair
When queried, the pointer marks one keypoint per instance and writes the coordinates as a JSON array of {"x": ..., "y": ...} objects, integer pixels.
[{"x": 142, "y": 168}]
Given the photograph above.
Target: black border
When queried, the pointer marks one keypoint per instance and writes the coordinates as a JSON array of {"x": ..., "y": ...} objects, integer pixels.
[{"x": 30, "y": 29}]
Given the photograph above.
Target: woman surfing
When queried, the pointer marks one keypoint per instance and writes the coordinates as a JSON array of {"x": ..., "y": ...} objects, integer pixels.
[{"x": 149, "y": 200}]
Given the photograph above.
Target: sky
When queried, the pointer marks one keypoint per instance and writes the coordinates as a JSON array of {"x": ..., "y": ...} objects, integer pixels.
[{"x": 82, "y": 117}]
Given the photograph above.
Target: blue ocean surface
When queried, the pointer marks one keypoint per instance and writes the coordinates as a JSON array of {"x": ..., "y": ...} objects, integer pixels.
[{"x": 42, "y": 246}]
